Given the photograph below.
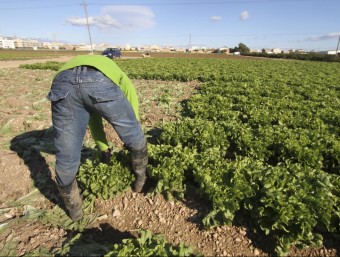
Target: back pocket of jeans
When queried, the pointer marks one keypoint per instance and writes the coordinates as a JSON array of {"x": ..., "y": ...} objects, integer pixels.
[
  {"x": 61, "y": 107},
  {"x": 57, "y": 95},
  {"x": 112, "y": 94}
]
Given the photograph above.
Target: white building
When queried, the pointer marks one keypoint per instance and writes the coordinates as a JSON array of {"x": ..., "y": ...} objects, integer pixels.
[
  {"x": 150, "y": 48},
  {"x": 276, "y": 50},
  {"x": 127, "y": 47},
  {"x": 7, "y": 43},
  {"x": 331, "y": 52},
  {"x": 12, "y": 43}
]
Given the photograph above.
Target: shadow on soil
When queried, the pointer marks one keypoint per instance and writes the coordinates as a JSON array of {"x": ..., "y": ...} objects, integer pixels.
[
  {"x": 93, "y": 241},
  {"x": 31, "y": 147}
]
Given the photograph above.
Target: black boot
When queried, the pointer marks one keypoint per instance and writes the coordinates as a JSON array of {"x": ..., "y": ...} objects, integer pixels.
[
  {"x": 139, "y": 164},
  {"x": 106, "y": 156},
  {"x": 72, "y": 200}
]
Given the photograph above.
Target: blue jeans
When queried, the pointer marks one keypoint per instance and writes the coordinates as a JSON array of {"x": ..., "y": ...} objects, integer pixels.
[{"x": 74, "y": 95}]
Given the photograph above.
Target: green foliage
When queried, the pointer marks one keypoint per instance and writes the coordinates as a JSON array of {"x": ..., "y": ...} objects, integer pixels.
[
  {"x": 258, "y": 141},
  {"x": 260, "y": 137},
  {"x": 43, "y": 66},
  {"x": 105, "y": 181},
  {"x": 298, "y": 56},
  {"x": 80, "y": 245},
  {"x": 168, "y": 166},
  {"x": 242, "y": 48},
  {"x": 293, "y": 204},
  {"x": 39, "y": 252},
  {"x": 149, "y": 245},
  {"x": 8, "y": 248},
  {"x": 146, "y": 244},
  {"x": 29, "y": 54}
]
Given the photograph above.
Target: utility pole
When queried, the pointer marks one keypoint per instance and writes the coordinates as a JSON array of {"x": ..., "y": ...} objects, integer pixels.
[
  {"x": 54, "y": 41},
  {"x": 189, "y": 47},
  {"x": 337, "y": 48},
  {"x": 88, "y": 26}
]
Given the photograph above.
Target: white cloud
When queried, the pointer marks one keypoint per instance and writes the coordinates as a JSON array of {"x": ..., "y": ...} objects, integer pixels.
[
  {"x": 215, "y": 18},
  {"x": 106, "y": 21},
  {"x": 331, "y": 35},
  {"x": 76, "y": 21},
  {"x": 244, "y": 15},
  {"x": 118, "y": 17}
]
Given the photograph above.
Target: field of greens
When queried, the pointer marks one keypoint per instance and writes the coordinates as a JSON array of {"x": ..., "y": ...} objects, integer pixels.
[
  {"x": 259, "y": 140},
  {"x": 10, "y": 54}
]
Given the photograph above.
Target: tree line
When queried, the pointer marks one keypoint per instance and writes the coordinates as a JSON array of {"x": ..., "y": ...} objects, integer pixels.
[{"x": 310, "y": 56}]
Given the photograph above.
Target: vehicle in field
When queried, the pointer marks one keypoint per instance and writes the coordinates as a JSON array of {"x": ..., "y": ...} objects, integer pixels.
[{"x": 112, "y": 53}]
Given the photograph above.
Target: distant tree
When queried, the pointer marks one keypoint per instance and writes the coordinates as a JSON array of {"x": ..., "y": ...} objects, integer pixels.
[{"x": 242, "y": 48}]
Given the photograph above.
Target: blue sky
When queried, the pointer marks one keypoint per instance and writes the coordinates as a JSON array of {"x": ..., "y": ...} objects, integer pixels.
[{"x": 285, "y": 24}]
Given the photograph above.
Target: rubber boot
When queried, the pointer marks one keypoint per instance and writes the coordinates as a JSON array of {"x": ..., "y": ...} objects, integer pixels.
[
  {"x": 106, "y": 156},
  {"x": 139, "y": 164},
  {"x": 72, "y": 200}
]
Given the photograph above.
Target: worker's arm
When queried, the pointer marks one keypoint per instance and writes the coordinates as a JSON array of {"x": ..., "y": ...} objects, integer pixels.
[
  {"x": 97, "y": 131},
  {"x": 130, "y": 93}
]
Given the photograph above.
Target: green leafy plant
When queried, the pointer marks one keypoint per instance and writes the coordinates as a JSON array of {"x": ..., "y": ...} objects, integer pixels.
[
  {"x": 105, "y": 181},
  {"x": 149, "y": 245},
  {"x": 260, "y": 137}
]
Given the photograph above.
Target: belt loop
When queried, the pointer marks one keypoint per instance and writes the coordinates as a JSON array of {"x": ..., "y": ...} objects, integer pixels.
[
  {"x": 84, "y": 69},
  {"x": 78, "y": 70}
]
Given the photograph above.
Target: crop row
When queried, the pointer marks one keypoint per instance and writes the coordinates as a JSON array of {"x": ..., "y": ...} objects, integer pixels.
[{"x": 260, "y": 138}]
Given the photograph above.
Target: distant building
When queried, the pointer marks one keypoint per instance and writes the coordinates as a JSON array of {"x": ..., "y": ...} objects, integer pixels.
[
  {"x": 197, "y": 49},
  {"x": 276, "y": 51},
  {"x": 300, "y": 51},
  {"x": 331, "y": 52},
  {"x": 224, "y": 50},
  {"x": 268, "y": 51},
  {"x": 127, "y": 47},
  {"x": 12, "y": 43},
  {"x": 20, "y": 43},
  {"x": 84, "y": 47},
  {"x": 6, "y": 43},
  {"x": 150, "y": 48},
  {"x": 51, "y": 46},
  {"x": 28, "y": 43},
  {"x": 102, "y": 47}
]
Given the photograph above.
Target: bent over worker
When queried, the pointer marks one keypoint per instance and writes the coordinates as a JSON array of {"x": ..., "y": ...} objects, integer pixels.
[{"x": 93, "y": 86}]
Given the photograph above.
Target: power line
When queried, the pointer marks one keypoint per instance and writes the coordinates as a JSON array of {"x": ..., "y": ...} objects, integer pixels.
[
  {"x": 262, "y": 35},
  {"x": 37, "y": 7},
  {"x": 178, "y": 3},
  {"x": 18, "y": 1},
  {"x": 150, "y": 4},
  {"x": 204, "y": 3}
]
